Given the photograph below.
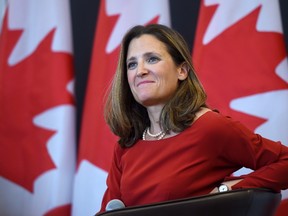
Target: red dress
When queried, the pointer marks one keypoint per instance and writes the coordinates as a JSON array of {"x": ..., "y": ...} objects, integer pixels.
[{"x": 194, "y": 162}]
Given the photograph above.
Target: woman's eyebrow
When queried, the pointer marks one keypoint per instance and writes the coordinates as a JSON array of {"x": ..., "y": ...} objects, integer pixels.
[
  {"x": 151, "y": 53},
  {"x": 130, "y": 59},
  {"x": 147, "y": 54}
]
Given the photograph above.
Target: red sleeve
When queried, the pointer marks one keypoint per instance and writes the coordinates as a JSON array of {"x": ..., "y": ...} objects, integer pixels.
[
  {"x": 267, "y": 158},
  {"x": 113, "y": 179}
]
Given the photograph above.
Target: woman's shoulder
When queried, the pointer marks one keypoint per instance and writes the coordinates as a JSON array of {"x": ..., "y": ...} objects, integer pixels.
[
  {"x": 119, "y": 151},
  {"x": 210, "y": 116},
  {"x": 217, "y": 124},
  {"x": 213, "y": 120}
]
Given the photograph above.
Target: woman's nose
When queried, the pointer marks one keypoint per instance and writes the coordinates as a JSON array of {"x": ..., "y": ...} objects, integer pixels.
[{"x": 141, "y": 70}]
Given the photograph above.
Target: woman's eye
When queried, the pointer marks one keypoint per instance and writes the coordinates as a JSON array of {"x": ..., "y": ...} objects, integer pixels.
[
  {"x": 131, "y": 65},
  {"x": 153, "y": 59}
]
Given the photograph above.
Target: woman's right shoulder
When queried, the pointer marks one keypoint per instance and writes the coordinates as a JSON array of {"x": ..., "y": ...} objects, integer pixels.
[{"x": 119, "y": 151}]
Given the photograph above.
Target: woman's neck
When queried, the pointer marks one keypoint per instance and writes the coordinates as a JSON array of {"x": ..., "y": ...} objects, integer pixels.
[{"x": 154, "y": 116}]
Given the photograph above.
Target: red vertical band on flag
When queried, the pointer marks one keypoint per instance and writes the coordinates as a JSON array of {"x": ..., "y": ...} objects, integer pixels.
[{"x": 96, "y": 140}]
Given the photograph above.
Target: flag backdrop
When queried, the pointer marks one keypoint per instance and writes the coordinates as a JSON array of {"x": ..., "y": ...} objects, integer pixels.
[
  {"x": 96, "y": 141},
  {"x": 240, "y": 56},
  {"x": 37, "y": 109}
]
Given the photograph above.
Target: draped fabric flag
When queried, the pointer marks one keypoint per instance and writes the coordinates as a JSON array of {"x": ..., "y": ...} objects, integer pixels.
[
  {"x": 96, "y": 140},
  {"x": 37, "y": 112},
  {"x": 240, "y": 57}
]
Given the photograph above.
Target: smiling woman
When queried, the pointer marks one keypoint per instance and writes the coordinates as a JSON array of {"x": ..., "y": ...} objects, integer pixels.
[
  {"x": 154, "y": 77},
  {"x": 152, "y": 74},
  {"x": 171, "y": 145}
]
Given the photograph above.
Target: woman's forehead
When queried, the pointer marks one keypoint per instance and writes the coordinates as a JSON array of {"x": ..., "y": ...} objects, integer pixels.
[{"x": 145, "y": 44}]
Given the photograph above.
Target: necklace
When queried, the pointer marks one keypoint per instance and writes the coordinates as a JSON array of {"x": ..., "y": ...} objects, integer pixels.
[
  {"x": 153, "y": 135},
  {"x": 159, "y": 135}
]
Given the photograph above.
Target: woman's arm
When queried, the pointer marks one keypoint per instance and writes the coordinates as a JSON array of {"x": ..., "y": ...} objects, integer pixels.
[
  {"x": 268, "y": 159},
  {"x": 113, "y": 179},
  {"x": 229, "y": 184},
  {"x": 273, "y": 175}
]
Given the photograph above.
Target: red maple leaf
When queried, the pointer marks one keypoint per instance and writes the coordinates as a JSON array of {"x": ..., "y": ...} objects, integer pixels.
[
  {"x": 29, "y": 88},
  {"x": 97, "y": 141},
  {"x": 239, "y": 62}
]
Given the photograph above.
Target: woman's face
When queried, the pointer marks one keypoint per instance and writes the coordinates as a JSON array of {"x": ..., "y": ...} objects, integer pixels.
[{"x": 152, "y": 74}]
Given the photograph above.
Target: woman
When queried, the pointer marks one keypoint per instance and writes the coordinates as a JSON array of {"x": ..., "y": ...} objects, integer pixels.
[{"x": 171, "y": 145}]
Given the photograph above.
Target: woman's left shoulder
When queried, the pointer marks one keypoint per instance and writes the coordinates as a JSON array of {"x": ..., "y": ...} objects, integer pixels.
[
  {"x": 215, "y": 121},
  {"x": 211, "y": 116}
]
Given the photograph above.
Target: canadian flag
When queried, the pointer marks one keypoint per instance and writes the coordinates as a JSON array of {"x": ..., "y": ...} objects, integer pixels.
[
  {"x": 240, "y": 57},
  {"x": 37, "y": 112},
  {"x": 96, "y": 141}
]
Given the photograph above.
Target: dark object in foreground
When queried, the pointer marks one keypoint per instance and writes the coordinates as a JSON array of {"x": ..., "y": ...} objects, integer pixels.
[{"x": 244, "y": 202}]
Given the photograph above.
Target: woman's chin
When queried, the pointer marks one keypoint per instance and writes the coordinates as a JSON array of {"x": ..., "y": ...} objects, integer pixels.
[{"x": 148, "y": 102}]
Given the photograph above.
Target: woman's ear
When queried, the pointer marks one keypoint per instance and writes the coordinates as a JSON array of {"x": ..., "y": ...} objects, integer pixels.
[{"x": 183, "y": 71}]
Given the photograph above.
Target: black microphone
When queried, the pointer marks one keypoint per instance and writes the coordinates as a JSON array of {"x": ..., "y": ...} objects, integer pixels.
[{"x": 114, "y": 204}]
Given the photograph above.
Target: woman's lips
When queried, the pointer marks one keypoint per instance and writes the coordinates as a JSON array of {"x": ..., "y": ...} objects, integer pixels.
[{"x": 144, "y": 82}]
